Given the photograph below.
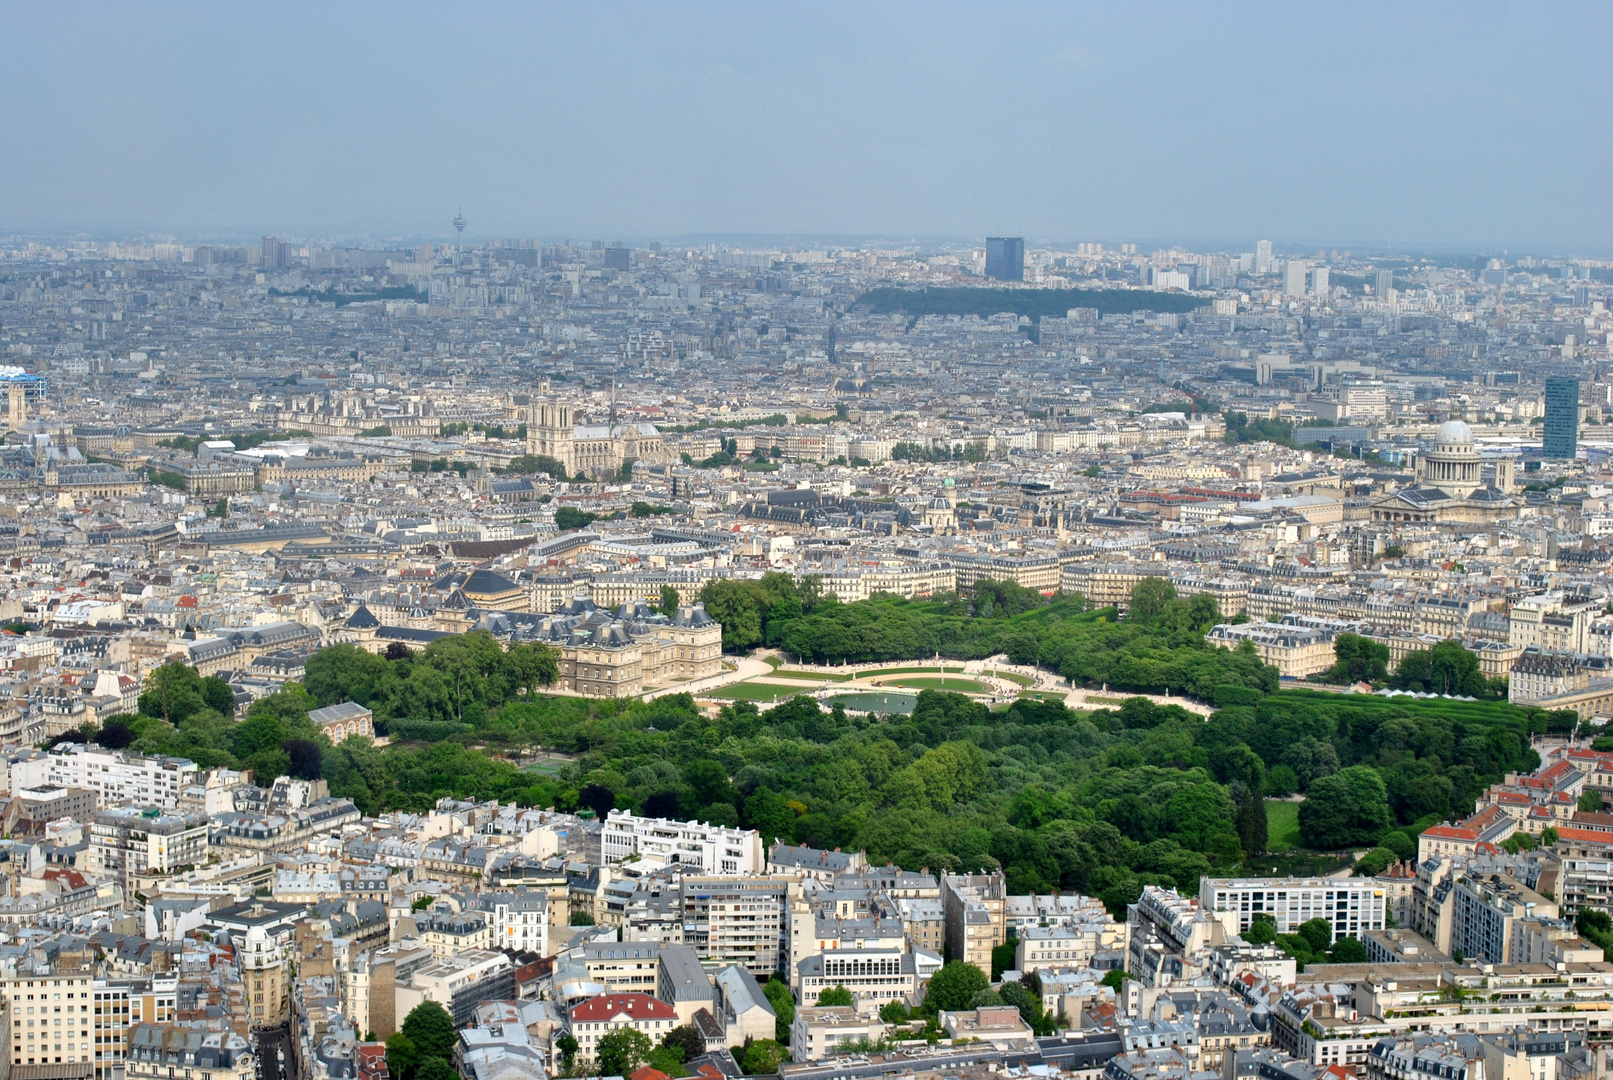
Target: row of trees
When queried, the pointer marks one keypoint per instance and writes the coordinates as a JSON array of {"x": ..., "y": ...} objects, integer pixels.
[
  {"x": 454, "y": 680},
  {"x": 1446, "y": 668}
]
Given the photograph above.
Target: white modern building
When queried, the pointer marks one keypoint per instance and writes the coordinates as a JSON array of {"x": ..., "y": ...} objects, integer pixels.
[
  {"x": 691, "y": 845},
  {"x": 1353, "y": 906},
  {"x": 114, "y": 776}
]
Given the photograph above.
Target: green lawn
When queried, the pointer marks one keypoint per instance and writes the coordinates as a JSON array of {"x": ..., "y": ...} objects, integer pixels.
[
  {"x": 808, "y": 676},
  {"x": 940, "y": 682},
  {"x": 1014, "y": 677},
  {"x": 1282, "y": 825},
  {"x": 544, "y": 767}
]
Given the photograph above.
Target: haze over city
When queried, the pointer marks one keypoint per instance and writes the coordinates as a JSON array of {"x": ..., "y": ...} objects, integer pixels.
[{"x": 1437, "y": 125}]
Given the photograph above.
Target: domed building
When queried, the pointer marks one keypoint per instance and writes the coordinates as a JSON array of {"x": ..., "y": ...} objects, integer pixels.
[{"x": 1450, "y": 488}]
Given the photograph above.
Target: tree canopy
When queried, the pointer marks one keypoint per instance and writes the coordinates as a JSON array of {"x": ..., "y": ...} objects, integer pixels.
[
  {"x": 1359, "y": 659},
  {"x": 1447, "y": 668}
]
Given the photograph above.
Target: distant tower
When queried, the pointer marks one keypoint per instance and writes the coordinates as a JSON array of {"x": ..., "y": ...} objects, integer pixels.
[
  {"x": 459, "y": 225},
  {"x": 19, "y": 405},
  {"x": 1005, "y": 258},
  {"x": 1562, "y": 419},
  {"x": 1263, "y": 257}
]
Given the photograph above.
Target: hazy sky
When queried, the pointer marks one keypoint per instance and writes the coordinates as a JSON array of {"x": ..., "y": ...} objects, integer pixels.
[{"x": 1339, "y": 124}]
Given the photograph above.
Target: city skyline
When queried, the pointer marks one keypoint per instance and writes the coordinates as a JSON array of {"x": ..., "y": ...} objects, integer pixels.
[{"x": 1438, "y": 129}]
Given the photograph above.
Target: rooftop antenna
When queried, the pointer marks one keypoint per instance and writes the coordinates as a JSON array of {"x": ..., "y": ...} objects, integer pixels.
[{"x": 460, "y": 223}]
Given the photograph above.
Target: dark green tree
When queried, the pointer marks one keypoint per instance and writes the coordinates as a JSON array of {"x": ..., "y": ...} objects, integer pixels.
[
  {"x": 670, "y": 601},
  {"x": 173, "y": 692},
  {"x": 1150, "y": 598},
  {"x": 1447, "y": 668},
  {"x": 567, "y": 518},
  {"x": 1262, "y": 929},
  {"x": 431, "y": 1029},
  {"x": 954, "y": 986},
  {"x": 763, "y": 1057},
  {"x": 1348, "y": 950},
  {"x": 401, "y": 1055},
  {"x": 1595, "y": 926},
  {"x": 1350, "y": 807},
  {"x": 834, "y": 995},
  {"x": 783, "y": 1002},
  {"x": 1318, "y": 934},
  {"x": 567, "y": 1045},
  {"x": 307, "y": 760},
  {"x": 621, "y": 1051},
  {"x": 217, "y": 695},
  {"x": 1374, "y": 862},
  {"x": 1359, "y": 659},
  {"x": 686, "y": 1041},
  {"x": 1251, "y": 818}
]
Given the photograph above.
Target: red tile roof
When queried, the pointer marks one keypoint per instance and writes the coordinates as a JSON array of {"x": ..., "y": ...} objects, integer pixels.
[
  {"x": 610, "y": 1006},
  {"x": 1584, "y": 836}
]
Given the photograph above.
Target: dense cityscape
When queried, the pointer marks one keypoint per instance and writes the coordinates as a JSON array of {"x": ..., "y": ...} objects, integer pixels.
[
  {"x": 806, "y": 542},
  {"x": 517, "y": 659}
]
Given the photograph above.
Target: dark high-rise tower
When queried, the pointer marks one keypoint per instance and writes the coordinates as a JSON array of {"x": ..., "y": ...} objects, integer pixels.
[
  {"x": 1005, "y": 258},
  {"x": 1562, "y": 418}
]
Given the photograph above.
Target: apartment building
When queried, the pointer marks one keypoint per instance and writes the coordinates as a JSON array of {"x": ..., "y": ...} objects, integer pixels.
[
  {"x": 1107, "y": 583},
  {"x": 521, "y": 922},
  {"x": 369, "y": 986},
  {"x": 1485, "y": 912},
  {"x": 976, "y": 912},
  {"x": 1296, "y": 652},
  {"x": 51, "y": 1018},
  {"x": 126, "y": 841},
  {"x": 1352, "y": 906},
  {"x": 591, "y": 1020},
  {"x": 114, "y": 776},
  {"x": 706, "y": 849},
  {"x": 1068, "y": 946},
  {"x": 1033, "y": 571},
  {"x": 818, "y": 1032},
  {"x": 923, "y": 922},
  {"x": 157, "y": 1050},
  {"x": 1554, "y": 622},
  {"x": 729, "y": 920},
  {"x": 68, "y": 1017},
  {"x": 458, "y": 983},
  {"x": 874, "y": 975},
  {"x": 813, "y": 864},
  {"x": 448, "y": 934}
]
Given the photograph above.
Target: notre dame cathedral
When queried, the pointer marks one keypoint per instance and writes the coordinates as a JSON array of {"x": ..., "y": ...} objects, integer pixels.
[{"x": 590, "y": 449}]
